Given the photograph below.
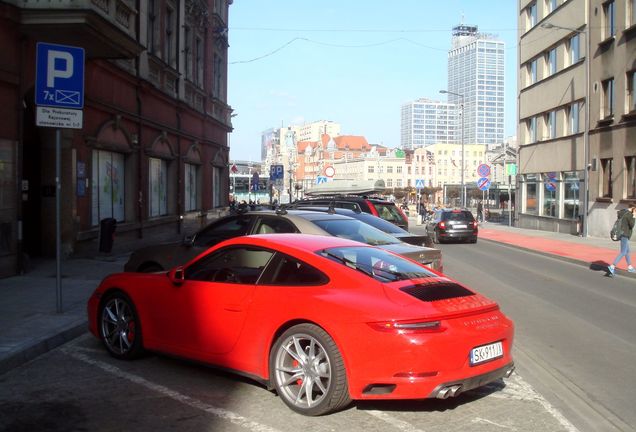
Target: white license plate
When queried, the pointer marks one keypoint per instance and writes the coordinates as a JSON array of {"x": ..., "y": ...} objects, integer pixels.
[
  {"x": 460, "y": 226},
  {"x": 486, "y": 352}
]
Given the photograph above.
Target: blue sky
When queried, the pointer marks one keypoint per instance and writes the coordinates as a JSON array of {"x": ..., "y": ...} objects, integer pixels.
[{"x": 350, "y": 61}]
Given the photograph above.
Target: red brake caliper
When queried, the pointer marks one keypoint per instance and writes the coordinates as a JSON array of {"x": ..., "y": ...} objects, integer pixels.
[{"x": 295, "y": 364}]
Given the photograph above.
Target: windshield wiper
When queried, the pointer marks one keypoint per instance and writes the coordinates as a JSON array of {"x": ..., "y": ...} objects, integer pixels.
[{"x": 348, "y": 262}]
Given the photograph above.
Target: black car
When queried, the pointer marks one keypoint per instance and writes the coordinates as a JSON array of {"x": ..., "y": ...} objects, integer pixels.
[
  {"x": 382, "y": 208},
  {"x": 379, "y": 223},
  {"x": 452, "y": 224}
]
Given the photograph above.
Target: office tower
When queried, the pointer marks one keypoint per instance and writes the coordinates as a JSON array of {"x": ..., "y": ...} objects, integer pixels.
[
  {"x": 426, "y": 122},
  {"x": 476, "y": 71}
]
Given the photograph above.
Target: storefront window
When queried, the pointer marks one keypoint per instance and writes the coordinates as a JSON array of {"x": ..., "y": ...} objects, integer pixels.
[
  {"x": 107, "y": 186},
  {"x": 551, "y": 194},
  {"x": 571, "y": 189},
  {"x": 158, "y": 185},
  {"x": 191, "y": 187},
  {"x": 531, "y": 193}
]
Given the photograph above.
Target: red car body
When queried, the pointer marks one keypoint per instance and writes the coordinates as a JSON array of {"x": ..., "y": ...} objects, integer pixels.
[{"x": 235, "y": 326}]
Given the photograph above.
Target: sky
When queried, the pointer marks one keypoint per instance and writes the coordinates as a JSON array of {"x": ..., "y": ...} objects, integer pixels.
[{"x": 354, "y": 62}]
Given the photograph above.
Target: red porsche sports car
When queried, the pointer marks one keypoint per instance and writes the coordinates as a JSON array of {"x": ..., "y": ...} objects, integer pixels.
[{"x": 322, "y": 320}]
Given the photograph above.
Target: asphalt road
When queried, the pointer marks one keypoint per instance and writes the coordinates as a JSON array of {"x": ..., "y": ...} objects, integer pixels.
[{"x": 575, "y": 329}]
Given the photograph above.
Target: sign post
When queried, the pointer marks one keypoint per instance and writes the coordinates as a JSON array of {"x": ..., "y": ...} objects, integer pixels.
[{"x": 59, "y": 99}]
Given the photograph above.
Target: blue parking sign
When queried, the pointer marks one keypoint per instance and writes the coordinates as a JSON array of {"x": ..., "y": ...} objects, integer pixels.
[{"x": 59, "y": 80}]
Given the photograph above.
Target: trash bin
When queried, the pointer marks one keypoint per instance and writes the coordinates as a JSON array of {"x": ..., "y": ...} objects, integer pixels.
[{"x": 107, "y": 229}]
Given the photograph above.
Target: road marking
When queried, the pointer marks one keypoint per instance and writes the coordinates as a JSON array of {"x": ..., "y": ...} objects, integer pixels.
[
  {"x": 488, "y": 422},
  {"x": 172, "y": 394},
  {"x": 396, "y": 423}
]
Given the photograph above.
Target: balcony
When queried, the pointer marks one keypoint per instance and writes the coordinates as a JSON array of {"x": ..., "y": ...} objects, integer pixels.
[{"x": 104, "y": 28}]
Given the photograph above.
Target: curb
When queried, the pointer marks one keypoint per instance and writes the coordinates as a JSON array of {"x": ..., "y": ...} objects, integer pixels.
[{"x": 37, "y": 348}]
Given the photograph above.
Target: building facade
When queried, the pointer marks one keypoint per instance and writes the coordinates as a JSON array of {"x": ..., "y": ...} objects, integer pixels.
[
  {"x": 152, "y": 152},
  {"x": 425, "y": 122},
  {"x": 577, "y": 113},
  {"x": 476, "y": 71}
]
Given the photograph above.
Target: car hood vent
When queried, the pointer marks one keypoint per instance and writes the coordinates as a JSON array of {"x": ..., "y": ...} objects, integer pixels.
[{"x": 436, "y": 291}]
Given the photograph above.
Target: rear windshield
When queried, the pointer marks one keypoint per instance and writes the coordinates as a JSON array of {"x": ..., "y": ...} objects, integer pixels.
[
  {"x": 459, "y": 215},
  {"x": 389, "y": 212},
  {"x": 354, "y": 229},
  {"x": 376, "y": 263},
  {"x": 379, "y": 223}
]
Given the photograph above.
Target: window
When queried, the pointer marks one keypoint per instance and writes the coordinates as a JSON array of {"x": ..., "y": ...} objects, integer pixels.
[
  {"x": 531, "y": 15},
  {"x": 389, "y": 169},
  {"x": 550, "y": 194},
  {"x": 551, "y": 61},
  {"x": 631, "y": 91},
  {"x": 550, "y": 123},
  {"x": 198, "y": 61},
  {"x": 550, "y": 5},
  {"x": 238, "y": 265},
  {"x": 370, "y": 169},
  {"x": 532, "y": 72},
  {"x": 216, "y": 187},
  {"x": 191, "y": 201},
  {"x": 187, "y": 51},
  {"x": 531, "y": 193},
  {"x": 608, "y": 98},
  {"x": 631, "y": 13},
  {"x": 532, "y": 129},
  {"x": 107, "y": 186},
  {"x": 574, "y": 48},
  {"x": 609, "y": 22},
  {"x": 289, "y": 271},
  {"x": 571, "y": 188},
  {"x": 158, "y": 187},
  {"x": 152, "y": 17},
  {"x": 233, "y": 226},
  {"x": 274, "y": 225},
  {"x": 573, "y": 117},
  {"x": 170, "y": 38},
  {"x": 606, "y": 176},
  {"x": 630, "y": 177},
  {"x": 398, "y": 169},
  {"x": 217, "y": 80}
]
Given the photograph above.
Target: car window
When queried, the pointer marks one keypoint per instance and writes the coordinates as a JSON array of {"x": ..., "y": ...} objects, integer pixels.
[
  {"x": 348, "y": 205},
  {"x": 354, "y": 229},
  {"x": 379, "y": 223},
  {"x": 458, "y": 216},
  {"x": 376, "y": 263},
  {"x": 388, "y": 212},
  {"x": 290, "y": 271},
  {"x": 230, "y": 227},
  {"x": 240, "y": 265},
  {"x": 274, "y": 225}
]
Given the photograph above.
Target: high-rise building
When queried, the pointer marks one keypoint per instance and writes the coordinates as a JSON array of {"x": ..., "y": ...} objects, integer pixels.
[
  {"x": 476, "y": 71},
  {"x": 426, "y": 122}
]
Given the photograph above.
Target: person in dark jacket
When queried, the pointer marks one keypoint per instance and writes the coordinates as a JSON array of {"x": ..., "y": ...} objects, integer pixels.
[{"x": 626, "y": 227}]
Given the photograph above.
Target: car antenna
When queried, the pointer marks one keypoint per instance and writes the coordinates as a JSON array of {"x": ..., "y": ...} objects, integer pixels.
[{"x": 332, "y": 207}]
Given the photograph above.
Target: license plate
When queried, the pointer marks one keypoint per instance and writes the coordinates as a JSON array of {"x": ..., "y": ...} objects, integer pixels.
[
  {"x": 460, "y": 226},
  {"x": 486, "y": 352}
]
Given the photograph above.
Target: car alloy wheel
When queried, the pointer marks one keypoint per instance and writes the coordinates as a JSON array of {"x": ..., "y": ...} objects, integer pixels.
[
  {"x": 119, "y": 327},
  {"x": 308, "y": 372}
]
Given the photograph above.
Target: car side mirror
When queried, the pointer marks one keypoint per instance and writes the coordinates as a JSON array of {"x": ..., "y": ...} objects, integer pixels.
[{"x": 177, "y": 275}]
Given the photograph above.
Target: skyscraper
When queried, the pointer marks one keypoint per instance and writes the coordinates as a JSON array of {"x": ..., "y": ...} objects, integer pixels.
[
  {"x": 476, "y": 71},
  {"x": 425, "y": 122}
]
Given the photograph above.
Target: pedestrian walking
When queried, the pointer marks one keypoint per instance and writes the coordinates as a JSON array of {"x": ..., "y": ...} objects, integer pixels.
[
  {"x": 480, "y": 211},
  {"x": 626, "y": 217}
]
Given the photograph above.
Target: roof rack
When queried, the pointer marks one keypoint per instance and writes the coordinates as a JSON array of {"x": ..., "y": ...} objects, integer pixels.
[{"x": 347, "y": 187}]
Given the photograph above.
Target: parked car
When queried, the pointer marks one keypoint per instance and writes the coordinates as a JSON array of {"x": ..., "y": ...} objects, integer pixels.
[
  {"x": 382, "y": 208},
  {"x": 379, "y": 223},
  {"x": 452, "y": 224},
  {"x": 166, "y": 256},
  {"x": 321, "y": 320}
]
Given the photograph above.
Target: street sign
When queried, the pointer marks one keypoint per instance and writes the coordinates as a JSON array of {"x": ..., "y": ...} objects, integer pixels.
[
  {"x": 483, "y": 184},
  {"x": 483, "y": 170},
  {"x": 59, "y": 86},
  {"x": 419, "y": 183},
  {"x": 330, "y": 171},
  {"x": 550, "y": 184},
  {"x": 321, "y": 179},
  {"x": 511, "y": 169},
  {"x": 276, "y": 172}
]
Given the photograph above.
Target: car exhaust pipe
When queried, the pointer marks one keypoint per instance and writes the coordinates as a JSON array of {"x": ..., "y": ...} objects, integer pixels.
[
  {"x": 454, "y": 390},
  {"x": 443, "y": 393},
  {"x": 509, "y": 372},
  {"x": 450, "y": 391}
]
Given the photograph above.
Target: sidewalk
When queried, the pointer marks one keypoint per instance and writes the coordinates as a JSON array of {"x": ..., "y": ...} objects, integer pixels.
[{"x": 30, "y": 326}]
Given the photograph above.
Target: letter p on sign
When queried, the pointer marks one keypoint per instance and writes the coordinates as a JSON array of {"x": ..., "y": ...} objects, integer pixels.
[{"x": 64, "y": 67}]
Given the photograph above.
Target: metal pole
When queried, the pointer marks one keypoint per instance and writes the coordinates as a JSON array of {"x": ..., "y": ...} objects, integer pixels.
[{"x": 58, "y": 237}]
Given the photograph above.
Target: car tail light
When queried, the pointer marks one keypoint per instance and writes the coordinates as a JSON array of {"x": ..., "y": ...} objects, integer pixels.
[
  {"x": 407, "y": 327},
  {"x": 442, "y": 225},
  {"x": 474, "y": 224}
]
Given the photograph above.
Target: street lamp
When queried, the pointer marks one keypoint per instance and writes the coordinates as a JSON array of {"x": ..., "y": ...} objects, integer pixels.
[
  {"x": 586, "y": 132},
  {"x": 463, "y": 199}
]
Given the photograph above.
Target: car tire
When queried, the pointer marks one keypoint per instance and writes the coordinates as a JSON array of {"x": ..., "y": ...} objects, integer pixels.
[
  {"x": 119, "y": 327},
  {"x": 306, "y": 358}
]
